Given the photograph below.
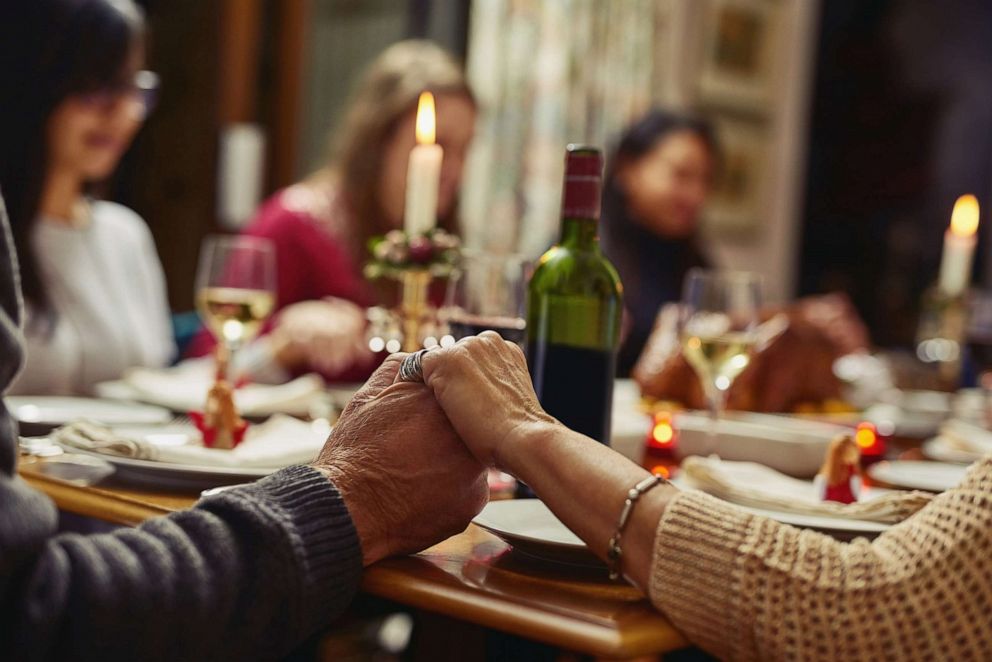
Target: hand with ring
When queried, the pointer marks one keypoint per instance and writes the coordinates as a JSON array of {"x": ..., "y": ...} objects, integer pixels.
[
  {"x": 485, "y": 390},
  {"x": 412, "y": 367}
]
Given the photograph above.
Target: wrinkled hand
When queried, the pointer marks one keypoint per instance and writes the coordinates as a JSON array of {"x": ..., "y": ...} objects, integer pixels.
[
  {"x": 327, "y": 335},
  {"x": 483, "y": 386},
  {"x": 407, "y": 479}
]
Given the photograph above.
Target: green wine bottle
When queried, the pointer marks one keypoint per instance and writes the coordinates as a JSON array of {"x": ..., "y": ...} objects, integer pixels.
[{"x": 574, "y": 308}]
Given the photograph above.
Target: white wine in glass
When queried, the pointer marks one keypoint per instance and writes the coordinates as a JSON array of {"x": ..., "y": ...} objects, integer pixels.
[
  {"x": 718, "y": 359},
  {"x": 717, "y": 329},
  {"x": 234, "y": 315},
  {"x": 235, "y": 287}
]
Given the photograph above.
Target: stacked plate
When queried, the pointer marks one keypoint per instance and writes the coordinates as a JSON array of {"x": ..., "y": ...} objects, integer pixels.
[{"x": 38, "y": 414}]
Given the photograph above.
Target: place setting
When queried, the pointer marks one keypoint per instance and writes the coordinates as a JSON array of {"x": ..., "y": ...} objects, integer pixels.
[
  {"x": 186, "y": 427},
  {"x": 174, "y": 456},
  {"x": 235, "y": 295}
]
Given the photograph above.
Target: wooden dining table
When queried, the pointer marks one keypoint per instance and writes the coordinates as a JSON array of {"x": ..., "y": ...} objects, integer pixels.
[{"x": 473, "y": 578}]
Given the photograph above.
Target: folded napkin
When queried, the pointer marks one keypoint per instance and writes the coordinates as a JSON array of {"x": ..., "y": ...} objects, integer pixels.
[
  {"x": 184, "y": 388},
  {"x": 279, "y": 442},
  {"x": 966, "y": 437},
  {"x": 755, "y": 485}
]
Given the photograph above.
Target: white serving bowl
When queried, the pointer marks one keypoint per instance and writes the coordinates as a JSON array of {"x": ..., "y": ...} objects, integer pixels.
[{"x": 788, "y": 444}]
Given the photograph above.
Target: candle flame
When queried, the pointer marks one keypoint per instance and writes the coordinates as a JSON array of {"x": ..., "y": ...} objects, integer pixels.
[
  {"x": 964, "y": 218},
  {"x": 425, "y": 119}
]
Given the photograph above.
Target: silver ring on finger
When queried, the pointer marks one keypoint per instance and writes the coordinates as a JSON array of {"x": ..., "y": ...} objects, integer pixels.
[{"x": 412, "y": 368}]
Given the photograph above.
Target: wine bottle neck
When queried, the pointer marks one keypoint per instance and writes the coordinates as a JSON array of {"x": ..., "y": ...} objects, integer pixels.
[
  {"x": 581, "y": 199},
  {"x": 580, "y": 233}
]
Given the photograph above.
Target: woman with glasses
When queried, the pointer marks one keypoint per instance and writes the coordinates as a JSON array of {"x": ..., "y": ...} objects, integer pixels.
[{"x": 74, "y": 95}]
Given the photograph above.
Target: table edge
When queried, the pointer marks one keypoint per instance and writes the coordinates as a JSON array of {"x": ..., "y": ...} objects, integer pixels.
[{"x": 460, "y": 603}]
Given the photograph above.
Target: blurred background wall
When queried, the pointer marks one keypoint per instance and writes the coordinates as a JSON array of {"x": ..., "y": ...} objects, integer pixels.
[
  {"x": 552, "y": 71},
  {"x": 900, "y": 126}
]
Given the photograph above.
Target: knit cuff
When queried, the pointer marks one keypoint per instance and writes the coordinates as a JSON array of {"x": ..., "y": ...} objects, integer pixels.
[
  {"x": 325, "y": 538},
  {"x": 694, "y": 573}
]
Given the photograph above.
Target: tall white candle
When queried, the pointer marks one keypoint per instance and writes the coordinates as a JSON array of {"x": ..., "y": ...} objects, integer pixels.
[
  {"x": 959, "y": 246},
  {"x": 423, "y": 174}
]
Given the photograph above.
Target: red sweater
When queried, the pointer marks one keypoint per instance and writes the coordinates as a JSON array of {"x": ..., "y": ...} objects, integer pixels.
[{"x": 312, "y": 261}]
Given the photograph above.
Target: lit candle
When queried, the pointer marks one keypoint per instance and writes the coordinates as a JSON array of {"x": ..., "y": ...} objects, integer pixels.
[
  {"x": 423, "y": 174},
  {"x": 959, "y": 246}
]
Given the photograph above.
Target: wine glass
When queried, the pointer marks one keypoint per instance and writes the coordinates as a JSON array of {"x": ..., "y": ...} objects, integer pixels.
[
  {"x": 235, "y": 288},
  {"x": 717, "y": 329},
  {"x": 488, "y": 292}
]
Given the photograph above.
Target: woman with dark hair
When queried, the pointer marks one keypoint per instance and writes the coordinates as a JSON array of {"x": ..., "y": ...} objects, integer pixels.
[
  {"x": 74, "y": 95},
  {"x": 655, "y": 188},
  {"x": 321, "y": 226},
  {"x": 653, "y": 193}
]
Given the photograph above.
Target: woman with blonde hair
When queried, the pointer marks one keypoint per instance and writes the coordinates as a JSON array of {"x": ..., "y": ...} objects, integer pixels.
[{"x": 320, "y": 226}]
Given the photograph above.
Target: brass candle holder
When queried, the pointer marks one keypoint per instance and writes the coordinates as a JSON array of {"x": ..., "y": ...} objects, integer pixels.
[
  {"x": 415, "y": 307},
  {"x": 415, "y": 263}
]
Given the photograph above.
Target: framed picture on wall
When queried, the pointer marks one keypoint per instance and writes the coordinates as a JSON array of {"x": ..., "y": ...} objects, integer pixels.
[
  {"x": 737, "y": 202},
  {"x": 736, "y": 67}
]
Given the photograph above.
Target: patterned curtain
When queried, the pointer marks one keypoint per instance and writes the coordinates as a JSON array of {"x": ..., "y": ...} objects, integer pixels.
[{"x": 547, "y": 73}]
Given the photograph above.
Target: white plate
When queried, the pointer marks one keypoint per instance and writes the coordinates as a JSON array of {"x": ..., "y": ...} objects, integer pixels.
[
  {"x": 52, "y": 411},
  {"x": 167, "y": 474},
  {"x": 941, "y": 451},
  {"x": 75, "y": 468},
  {"x": 183, "y": 387},
  {"x": 181, "y": 476},
  {"x": 533, "y": 529},
  {"x": 530, "y": 527},
  {"x": 929, "y": 476}
]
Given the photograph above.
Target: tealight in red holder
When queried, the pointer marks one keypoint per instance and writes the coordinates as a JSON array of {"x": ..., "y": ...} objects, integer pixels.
[{"x": 660, "y": 446}]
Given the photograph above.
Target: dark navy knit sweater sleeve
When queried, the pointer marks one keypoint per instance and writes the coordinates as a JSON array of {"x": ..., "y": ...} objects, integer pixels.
[{"x": 245, "y": 574}]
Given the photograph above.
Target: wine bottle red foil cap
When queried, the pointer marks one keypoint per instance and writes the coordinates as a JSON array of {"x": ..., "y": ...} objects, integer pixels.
[{"x": 583, "y": 179}]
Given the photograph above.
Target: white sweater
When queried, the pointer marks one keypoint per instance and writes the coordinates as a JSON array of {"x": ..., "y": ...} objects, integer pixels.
[{"x": 108, "y": 292}]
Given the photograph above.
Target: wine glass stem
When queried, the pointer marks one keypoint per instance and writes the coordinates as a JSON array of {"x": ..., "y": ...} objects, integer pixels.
[
  {"x": 226, "y": 359},
  {"x": 717, "y": 400}
]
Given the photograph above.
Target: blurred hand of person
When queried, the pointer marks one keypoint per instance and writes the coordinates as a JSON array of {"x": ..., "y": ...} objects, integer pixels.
[
  {"x": 326, "y": 335},
  {"x": 483, "y": 386},
  {"x": 794, "y": 367},
  {"x": 407, "y": 479},
  {"x": 834, "y": 315}
]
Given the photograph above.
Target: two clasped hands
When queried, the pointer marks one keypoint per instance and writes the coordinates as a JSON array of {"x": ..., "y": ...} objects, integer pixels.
[{"x": 410, "y": 458}]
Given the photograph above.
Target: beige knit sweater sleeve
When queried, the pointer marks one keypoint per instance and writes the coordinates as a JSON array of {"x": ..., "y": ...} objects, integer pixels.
[{"x": 745, "y": 587}]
